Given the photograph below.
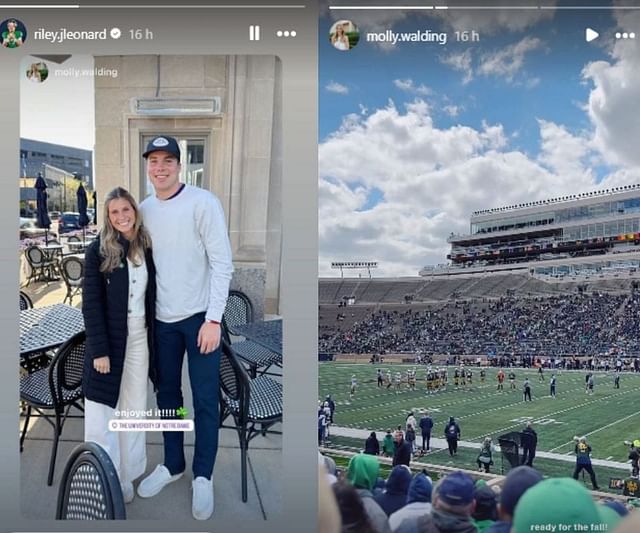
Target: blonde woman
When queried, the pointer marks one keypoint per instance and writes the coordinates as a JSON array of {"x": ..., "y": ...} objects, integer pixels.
[
  {"x": 119, "y": 310},
  {"x": 339, "y": 38}
]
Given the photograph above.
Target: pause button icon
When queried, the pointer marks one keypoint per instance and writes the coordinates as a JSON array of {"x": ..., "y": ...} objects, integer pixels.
[{"x": 254, "y": 33}]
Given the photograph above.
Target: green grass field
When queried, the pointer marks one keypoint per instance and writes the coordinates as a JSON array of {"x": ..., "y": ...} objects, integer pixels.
[{"x": 607, "y": 417}]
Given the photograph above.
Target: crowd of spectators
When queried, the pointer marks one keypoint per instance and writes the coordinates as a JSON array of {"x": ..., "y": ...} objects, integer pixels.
[
  {"x": 581, "y": 325},
  {"x": 411, "y": 503}
]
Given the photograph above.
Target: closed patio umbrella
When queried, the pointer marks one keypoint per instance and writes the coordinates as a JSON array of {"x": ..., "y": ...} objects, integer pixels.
[
  {"x": 42, "y": 211},
  {"x": 83, "y": 220}
]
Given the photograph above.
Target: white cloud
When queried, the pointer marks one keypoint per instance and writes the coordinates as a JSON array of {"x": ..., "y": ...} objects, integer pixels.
[
  {"x": 453, "y": 110},
  {"x": 612, "y": 103},
  {"x": 338, "y": 88},
  {"x": 408, "y": 86},
  {"x": 508, "y": 61},
  {"x": 565, "y": 154},
  {"x": 363, "y": 109},
  {"x": 428, "y": 180},
  {"x": 460, "y": 62}
]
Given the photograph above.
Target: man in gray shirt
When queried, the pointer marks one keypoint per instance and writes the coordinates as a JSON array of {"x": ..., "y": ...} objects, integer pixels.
[{"x": 192, "y": 254}]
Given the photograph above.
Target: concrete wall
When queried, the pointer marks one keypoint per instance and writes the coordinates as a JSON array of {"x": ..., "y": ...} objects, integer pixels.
[{"x": 243, "y": 141}]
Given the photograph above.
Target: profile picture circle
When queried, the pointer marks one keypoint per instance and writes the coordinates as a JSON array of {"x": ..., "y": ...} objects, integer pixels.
[
  {"x": 37, "y": 72},
  {"x": 13, "y": 33},
  {"x": 344, "y": 35}
]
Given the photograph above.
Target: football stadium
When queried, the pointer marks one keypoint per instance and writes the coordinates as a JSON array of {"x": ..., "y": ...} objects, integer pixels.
[{"x": 538, "y": 292}]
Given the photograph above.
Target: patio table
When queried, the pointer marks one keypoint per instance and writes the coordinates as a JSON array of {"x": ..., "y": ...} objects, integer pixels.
[
  {"x": 267, "y": 333},
  {"x": 43, "y": 328}
]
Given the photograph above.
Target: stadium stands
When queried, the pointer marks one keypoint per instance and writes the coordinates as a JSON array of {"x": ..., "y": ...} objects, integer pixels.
[{"x": 511, "y": 314}]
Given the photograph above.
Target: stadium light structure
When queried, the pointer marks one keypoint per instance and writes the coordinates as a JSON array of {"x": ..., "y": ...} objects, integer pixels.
[{"x": 354, "y": 265}]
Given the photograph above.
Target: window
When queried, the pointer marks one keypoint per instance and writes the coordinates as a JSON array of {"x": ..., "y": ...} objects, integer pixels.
[{"x": 193, "y": 159}]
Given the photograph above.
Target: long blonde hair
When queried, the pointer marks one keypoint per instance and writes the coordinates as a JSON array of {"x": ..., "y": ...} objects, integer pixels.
[{"x": 110, "y": 248}]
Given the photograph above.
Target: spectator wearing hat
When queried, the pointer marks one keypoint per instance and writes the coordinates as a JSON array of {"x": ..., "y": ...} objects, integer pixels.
[
  {"x": 561, "y": 502},
  {"x": 396, "y": 488},
  {"x": 485, "y": 514},
  {"x": 418, "y": 501},
  {"x": 453, "y": 503},
  {"x": 517, "y": 482},
  {"x": 371, "y": 445},
  {"x": 362, "y": 474},
  {"x": 402, "y": 453}
]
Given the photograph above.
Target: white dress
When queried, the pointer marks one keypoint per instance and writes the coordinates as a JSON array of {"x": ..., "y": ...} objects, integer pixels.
[
  {"x": 127, "y": 449},
  {"x": 340, "y": 44}
]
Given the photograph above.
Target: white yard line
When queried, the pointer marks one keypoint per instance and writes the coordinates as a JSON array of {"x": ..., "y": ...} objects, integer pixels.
[
  {"x": 584, "y": 404},
  {"x": 599, "y": 429}
]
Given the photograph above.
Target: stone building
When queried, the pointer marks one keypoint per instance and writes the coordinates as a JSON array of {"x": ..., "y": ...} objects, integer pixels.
[{"x": 226, "y": 112}]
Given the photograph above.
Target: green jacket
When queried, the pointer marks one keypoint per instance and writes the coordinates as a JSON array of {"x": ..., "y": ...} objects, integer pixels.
[{"x": 388, "y": 445}]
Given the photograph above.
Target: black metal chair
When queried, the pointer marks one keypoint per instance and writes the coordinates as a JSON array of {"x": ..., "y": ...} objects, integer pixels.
[
  {"x": 39, "y": 263},
  {"x": 25, "y": 301},
  {"x": 75, "y": 244},
  {"x": 238, "y": 312},
  {"x": 72, "y": 270},
  {"x": 56, "y": 388},
  {"x": 90, "y": 488},
  {"x": 250, "y": 402}
]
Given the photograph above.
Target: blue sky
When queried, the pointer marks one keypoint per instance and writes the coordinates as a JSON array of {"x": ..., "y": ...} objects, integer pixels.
[
  {"x": 369, "y": 71},
  {"x": 413, "y": 137}
]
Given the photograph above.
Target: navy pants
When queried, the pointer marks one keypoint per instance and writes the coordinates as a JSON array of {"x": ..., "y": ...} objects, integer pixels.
[{"x": 172, "y": 340}]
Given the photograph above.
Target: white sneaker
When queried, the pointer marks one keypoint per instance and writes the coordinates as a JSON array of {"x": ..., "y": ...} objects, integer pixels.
[
  {"x": 202, "y": 502},
  {"x": 156, "y": 481},
  {"x": 127, "y": 491}
]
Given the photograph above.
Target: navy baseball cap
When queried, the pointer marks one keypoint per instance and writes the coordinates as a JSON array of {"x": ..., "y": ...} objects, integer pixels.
[
  {"x": 456, "y": 489},
  {"x": 517, "y": 482},
  {"x": 163, "y": 143}
]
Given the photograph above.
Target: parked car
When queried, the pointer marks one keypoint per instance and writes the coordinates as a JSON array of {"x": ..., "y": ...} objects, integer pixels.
[
  {"x": 54, "y": 215},
  {"x": 29, "y": 229},
  {"x": 69, "y": 222}
]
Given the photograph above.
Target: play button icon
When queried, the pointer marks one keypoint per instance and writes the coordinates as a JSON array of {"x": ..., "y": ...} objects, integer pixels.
[{"x": 590, "y": 35}]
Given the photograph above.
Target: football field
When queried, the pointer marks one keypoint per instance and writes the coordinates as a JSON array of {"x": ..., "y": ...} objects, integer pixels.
[{"x": 607, "y": 417}]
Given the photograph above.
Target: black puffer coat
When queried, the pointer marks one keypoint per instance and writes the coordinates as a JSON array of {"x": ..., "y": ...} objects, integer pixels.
[{"x": 104, "y": 306}]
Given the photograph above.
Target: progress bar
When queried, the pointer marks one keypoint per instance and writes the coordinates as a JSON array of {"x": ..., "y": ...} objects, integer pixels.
[
  {"x": 146, "y": 6},
  {"x": 500, "y": 8}
]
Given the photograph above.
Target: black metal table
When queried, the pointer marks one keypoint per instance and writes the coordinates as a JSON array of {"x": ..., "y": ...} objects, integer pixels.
[
  {"x": 43, "y": 328},
  {"x": 262, "y": 347},
  {"x": 267, "y": 333}
]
